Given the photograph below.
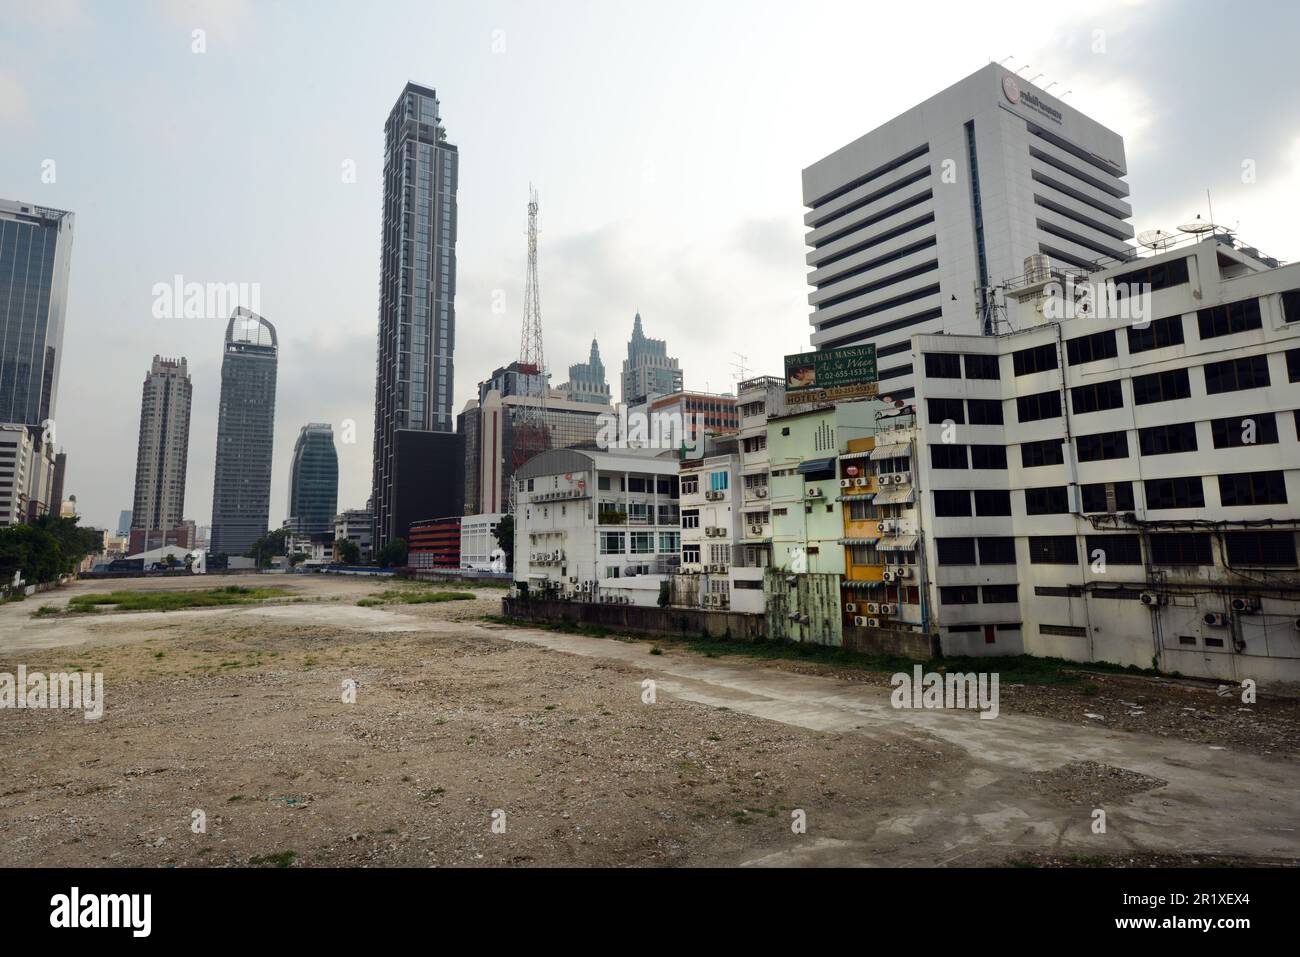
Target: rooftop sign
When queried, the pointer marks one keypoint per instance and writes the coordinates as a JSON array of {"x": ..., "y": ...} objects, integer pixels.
[{"x": 832, "y": 375}]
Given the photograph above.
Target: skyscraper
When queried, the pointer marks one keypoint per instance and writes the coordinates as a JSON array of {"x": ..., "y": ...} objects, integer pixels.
[
  {"x": 241, "y": 490},
  {"x": 587, "y": 382},
  {"x": 35, "y": 253},
  {"x": 648, "y": 370},
  {"x": 417, "y": 313},
  {"x": 314, "y": 481},
  {"x": 161, "y": 456},
  {"x": 909, "y": 223}
]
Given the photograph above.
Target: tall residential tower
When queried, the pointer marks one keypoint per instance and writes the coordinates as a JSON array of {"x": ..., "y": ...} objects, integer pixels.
[
  {"x": 417, "y": 316},
  {"x": 159, "y": 505},
  {"x": 648, "y": 370},
  {"x": 241, "y": 491}
]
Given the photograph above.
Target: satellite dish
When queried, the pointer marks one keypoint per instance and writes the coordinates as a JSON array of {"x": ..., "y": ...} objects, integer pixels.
[
  {"x": 1156, "y": 239},
  {"x": 899, "y": 403},
  {"x": 886, "y": 399},
  {"x": 1197, "y": 226}
]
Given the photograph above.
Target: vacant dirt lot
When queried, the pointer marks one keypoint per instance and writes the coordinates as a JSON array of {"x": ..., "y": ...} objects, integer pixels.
[{"x": 459, "y": 725}]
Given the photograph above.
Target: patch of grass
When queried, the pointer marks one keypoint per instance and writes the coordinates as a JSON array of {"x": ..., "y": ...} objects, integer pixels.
[
  {"x": 173, "y": 600},
  {"x": 283, "y": 859},
  {"x": 46, "y": 610},
  {"x": 12, "y": 596},
  {"x": 414, "y": 596},
  {"x": 656, "y": 650},
  {"x": 369, "y": 602}
]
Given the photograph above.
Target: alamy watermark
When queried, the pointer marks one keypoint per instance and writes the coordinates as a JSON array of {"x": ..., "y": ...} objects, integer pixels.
[
  {"x": 203, "y": 300},
  {"x": 84, "y": 692},
  {"x": 1130, "y": 302},
  {"x": 650, "y": 430},
  {"x": 933, "y": 690}
]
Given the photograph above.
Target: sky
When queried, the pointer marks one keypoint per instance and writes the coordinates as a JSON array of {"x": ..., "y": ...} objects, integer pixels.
[{"x": 666, "y": 142}]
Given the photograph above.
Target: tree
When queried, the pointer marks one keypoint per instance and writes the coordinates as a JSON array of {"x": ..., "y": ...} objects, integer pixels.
[
  {"x": 392, "y": 555},
  {"x": 268, "y": 546},
  {"x": 506, "y": 539},
  {"x": 349, "y": 551}
]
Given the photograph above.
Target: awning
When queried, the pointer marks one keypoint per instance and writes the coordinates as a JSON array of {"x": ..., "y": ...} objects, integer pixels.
[
  {"x": 816, "y": 465},
  {"x": 898, "y": 543},
  {"x": 858, "y": 541},
  {"x": 900, "y": 451},
  {"x": 896, "y": 496},
  {"x": 858, "y": 584},
  {"x": 860, "y": 497},
  {"x": 855, "y": 455}
]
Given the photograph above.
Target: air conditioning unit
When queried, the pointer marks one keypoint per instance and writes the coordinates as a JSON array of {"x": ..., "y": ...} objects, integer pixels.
[
  {"x": 887, "y": 609},
  {"x": 887, "y": 576},
  {"x": 859, "y": 620},
  {"x": 861, "y": 482},
  {"x": 887, "y": 478},
  {"x": 1152, "y": 598},
  {"x": 873, "y": 622},
  {"x": 872, "y": 608},
  {"x": 1215, "y": 619},
  {"x": 573, "y": 579},
  {"x": 888, "y": 525},
  {"x": 814, "y": 492},
  {"x": 902, "y": 478},
  {"x": 850, "y": 606},
  {"x": 724, "y": 601},
  {"x": 902, "y": 572},
  {"x": 756, "y": 529},
  {"x": 708, "y": 601},
  {"x": 760, "y": 493},
  {"x": 846, "y": 483},
  {"x": 1247, "y": 604}
]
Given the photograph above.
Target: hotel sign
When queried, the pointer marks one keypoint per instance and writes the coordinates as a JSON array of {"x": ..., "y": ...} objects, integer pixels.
[{"x": 831, "y": 376}]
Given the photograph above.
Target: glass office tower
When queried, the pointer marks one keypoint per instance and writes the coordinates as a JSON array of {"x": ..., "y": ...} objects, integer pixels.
[{"x": 314, "y": 481}]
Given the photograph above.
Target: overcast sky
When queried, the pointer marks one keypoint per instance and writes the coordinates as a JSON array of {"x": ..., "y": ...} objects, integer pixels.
[{"x": 666, "y": 141}]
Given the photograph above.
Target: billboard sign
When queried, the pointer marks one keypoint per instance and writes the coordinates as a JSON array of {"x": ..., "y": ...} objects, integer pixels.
[{"x": 831, "y": 376}]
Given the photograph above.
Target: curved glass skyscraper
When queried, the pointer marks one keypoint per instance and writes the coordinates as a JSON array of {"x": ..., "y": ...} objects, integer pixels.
[
  {"x": 314, "y": 481},
  {"x": 241, "y": 490}
]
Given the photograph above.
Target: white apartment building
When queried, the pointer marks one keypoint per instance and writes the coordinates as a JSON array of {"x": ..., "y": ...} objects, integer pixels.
[
  {"x": 26, "y": 473},
  {"x": 711, "y": 507},
  {"x": 1101, "y": 489},
  {"x": 757, "y": 399},
  {"x": 478, "y": 541},
  {"x": 358, "y": 525},
  {"x": 908, "y": 223},
  {"x": 586, "y": 520}
]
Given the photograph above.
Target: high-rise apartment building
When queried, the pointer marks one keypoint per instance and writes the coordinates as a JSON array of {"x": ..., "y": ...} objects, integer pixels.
[
  {"x": 314, "y": 481},
  {"x": 35, "y": 253},
  {"x": 417, "y": 313},
  {"x": 908, "y": 224},
  {"x": 161, "y": 456},
  {"x": 648, "y": 370},
  {"x": 241, "y": 492}
]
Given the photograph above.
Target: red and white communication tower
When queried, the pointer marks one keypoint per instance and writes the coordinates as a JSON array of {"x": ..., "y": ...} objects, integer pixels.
[{"x": 527, "y": 415}]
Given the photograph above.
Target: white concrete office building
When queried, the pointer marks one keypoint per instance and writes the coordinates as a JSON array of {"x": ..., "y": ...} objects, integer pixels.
[
  {"x": 1102, "y": 489},
  {"x": 908, "y": 223}
]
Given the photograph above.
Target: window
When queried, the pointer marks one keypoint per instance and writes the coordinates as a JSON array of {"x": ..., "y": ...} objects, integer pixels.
[
  {"x": 1249, "y": 372},
  {"x": 951, "y": 504},
  {"x": 719, "y": 481},
  {"x": 1097, "y": 397},
  {"x": 943, "y": 365},
  {"x": 955, "y": 551},
  {"x": 948, "y": 456},
  {"x": 1067, "y": 631},
  {"x": 690, "y": 518},
  {"x": 987, "y": 367},
  {"x": 992, "y": 502},
  {"x": 1107, "y": 497},
  {"x": 690, "y": 554},
  {"x": 636, "y": 483},
  {"x": 958, "y": 595},
  {"x": 1034, "y": 359},
  {"x": 943, "y": 410},
  {"x": 1181, "y": 548},
  {"x": 1048, "y": 500},
  {"x": 602, "y": 483},
  {"x": 1157, "y": 276},
  {"x": 1053, "y": 550},
  {"x": 1167, "y": 439},
  {"x": 988, "y": 456},
  {"x": 1156, "y": 335},
  {"x": 1099, "y": 345},
  {"x": 984, "y": 411},
  {"x": 1175, "y": 493},
  {"x": 1042, "y": 405},
  {"x": 999, "y": 594},
  {"x": 1290, "y": 309},
  {"x": 1234, "y": 431},
  {"x": 1161, "y": 387},
  {"x": 611, "y": 543},
  {"x": 1229, "y": 318},
  {"x": 690, "y": 484},
  {"x": 1103, "y": 445},
  {"x": 1046, "y": 452},
  {"x": 1114, "y": 549},
  {"x": 643, "y": 543},
  {"x": 997, "y": 551},
  {"x": 1293, "y": 365},
  {"x": 1276, "y": 549},
  {"x": 1253, "y": 488}
]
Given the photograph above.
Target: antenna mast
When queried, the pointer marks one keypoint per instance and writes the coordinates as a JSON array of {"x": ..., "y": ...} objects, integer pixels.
[{"x": 527, "y": 418}]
